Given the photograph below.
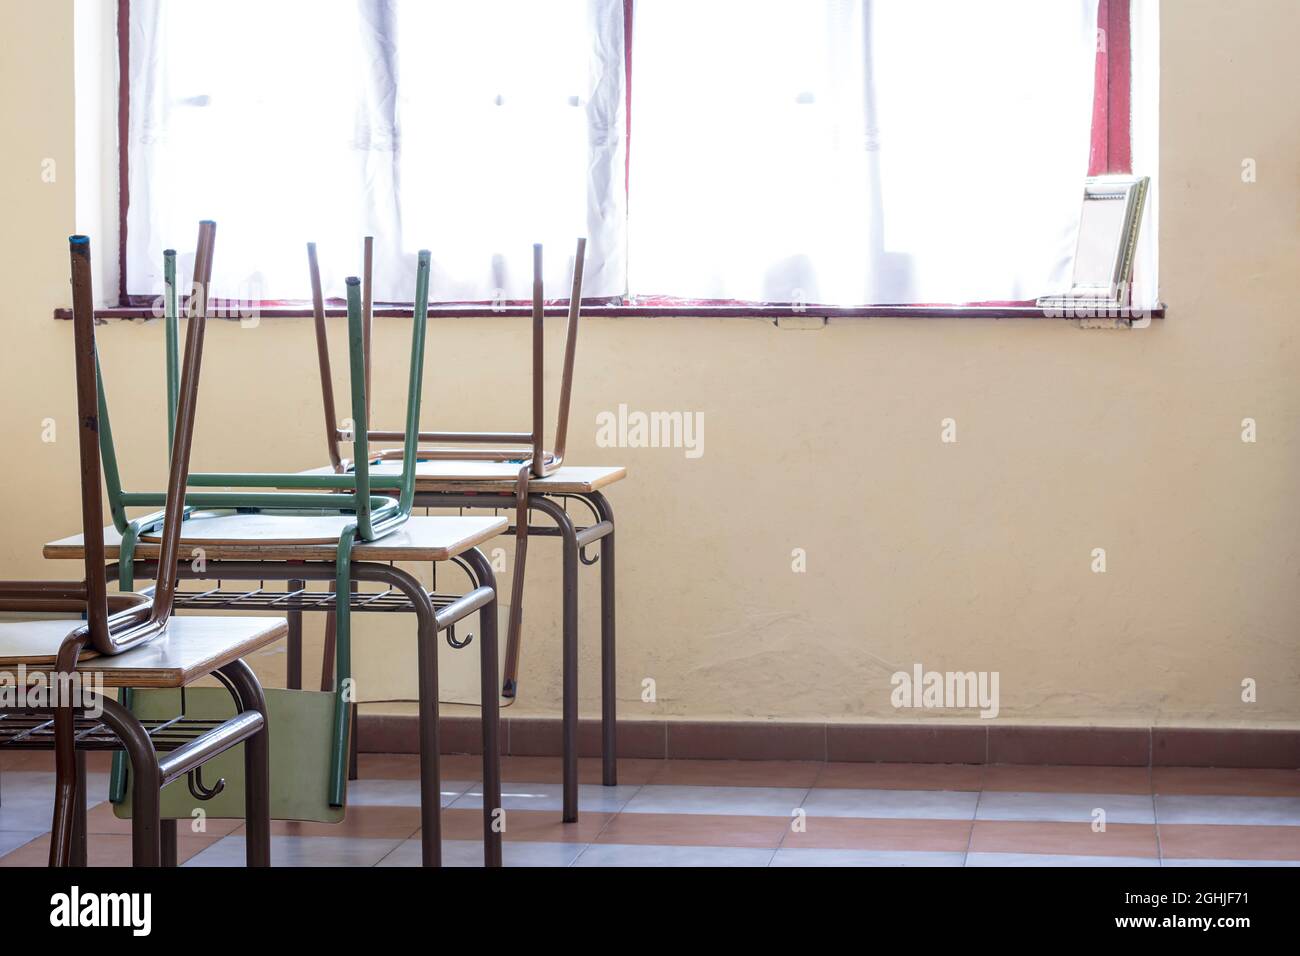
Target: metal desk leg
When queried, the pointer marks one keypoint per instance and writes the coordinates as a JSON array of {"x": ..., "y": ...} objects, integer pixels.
[
  {"x": 170, "y": 852},
  {"x": 427, "y": 656},
  {"x": 490, "y": 690},
  {"x": 328, "y": 650},
  {"x": 146, "y": 782},
  {"x": 608, "y": 683},
  {"x": 353, "y": 746},
  {"x": 293, "y": 665},
  {"x": 352, "y": 735},
  {"x": 79, "y": 851},
  {"x": 257, "y": 765},
  {"x": 569, "y": 650},
  {"x": 430, "y": 779}
]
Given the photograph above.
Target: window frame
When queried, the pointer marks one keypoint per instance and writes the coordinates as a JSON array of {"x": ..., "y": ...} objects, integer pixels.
[
  {"x": 1112, "y": 140},
  {"x": 1110, "y": 152}
]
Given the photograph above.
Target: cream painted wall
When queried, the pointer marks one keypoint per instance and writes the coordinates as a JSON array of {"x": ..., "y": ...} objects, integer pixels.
[{"x": 973, "y": 556}]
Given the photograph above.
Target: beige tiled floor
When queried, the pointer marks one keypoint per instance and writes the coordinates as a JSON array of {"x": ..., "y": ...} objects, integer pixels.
[{"x": 748, "y": 813}]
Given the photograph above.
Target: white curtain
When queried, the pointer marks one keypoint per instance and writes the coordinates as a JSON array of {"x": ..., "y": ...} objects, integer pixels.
[
  {"x": 858, "y": 151},
  {"x": 473, "y": 129}
]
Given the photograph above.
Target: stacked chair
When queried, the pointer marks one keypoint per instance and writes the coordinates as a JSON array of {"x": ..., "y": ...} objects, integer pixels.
[
  {"x": 130, "y": 639},
  {"x": 354, "y": 495},
  {"x": 523, "y": 453}
]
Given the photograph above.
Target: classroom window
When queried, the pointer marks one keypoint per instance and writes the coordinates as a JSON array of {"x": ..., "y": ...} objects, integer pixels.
[
  {"x": 472, "y": 129},
  {"x": 743, "y": 151}
]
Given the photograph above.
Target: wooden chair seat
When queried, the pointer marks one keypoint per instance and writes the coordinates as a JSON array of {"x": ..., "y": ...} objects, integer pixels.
[
  {"x": 263, "y": 537},
  {"x": 270, "y": 529},
  {"x": 35, "y": 643},
  {"x": 190, "y": 648}
]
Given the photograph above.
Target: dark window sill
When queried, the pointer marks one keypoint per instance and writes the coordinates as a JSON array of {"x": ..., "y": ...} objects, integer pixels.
[{"x": 661, "y": 311}]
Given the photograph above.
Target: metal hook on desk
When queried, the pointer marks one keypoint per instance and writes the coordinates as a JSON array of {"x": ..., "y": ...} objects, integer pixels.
[
  {"x": 451, "y": 631},
  {"x": 194, "y": 780}
]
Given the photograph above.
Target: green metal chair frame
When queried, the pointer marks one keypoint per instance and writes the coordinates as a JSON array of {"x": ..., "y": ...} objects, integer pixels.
[
  {"x": 525, "y": 450},
  {"x": 347, "y": 494}
]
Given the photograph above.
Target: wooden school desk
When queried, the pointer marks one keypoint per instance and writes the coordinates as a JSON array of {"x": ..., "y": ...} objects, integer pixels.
[
  {"x": 485, "y": 484},
  {"x": 159, "y": 751},
  {"x": 297, "y": 549}
]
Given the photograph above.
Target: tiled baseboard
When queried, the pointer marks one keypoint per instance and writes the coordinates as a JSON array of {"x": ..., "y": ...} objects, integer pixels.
[{"x": 894, "y": 743}]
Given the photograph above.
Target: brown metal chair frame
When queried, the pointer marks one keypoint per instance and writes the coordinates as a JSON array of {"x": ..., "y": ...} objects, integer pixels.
[
  {"x": 527, "y": 448},
  {"x": 117, "y": 623}
]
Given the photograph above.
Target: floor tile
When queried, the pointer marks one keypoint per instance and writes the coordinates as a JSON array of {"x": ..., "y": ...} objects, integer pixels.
[
  {"x": 724, "y": 813},
  {"x": 27, "y": 798},
  {"x": 789, "y": 857},
  {"x": 384, "y": 822},
  {"x": 105, "y": 849},
  {"x": 1209, "y": 841},
  {"x": 101, "y": 819},
  {"x": 901, "y": 776},
  {"x": 513, "y": 853},
  {"x": 470, "y": 767},
  {"x": 400, "y": 792},
  {"x": 631, "y": 771},
  {"x": 699, "y": 829},
  {"x": 14, "y": 760},
  {"x": 1066, "y": 807},
  {"x": 1195, "y": 862},
  {"x": 530, "y": 825},
  {"x": 13, "y": 839},
  {"x": 746, "y": 801},
  {"x": 550, "y": 796},
  {"x": 1225, "y": 781},
  {"x": 395, "y": 767},
  {"x": 1247, "y": 811},
  {"x": 469, "y": 853},
  {"x": 300, "y": 851},
  {"x": 1050, "y": 859},
  {"x": 1071, "y": 839},
  {"x": 737, "y": 773},
  {"x": 892, "y": 804},
  {"x": 615, "y": 854},
  {"x": 43, "y": 760},
  {"x": 848, "y": 833},
  {"x": 1035, "y": 779}
]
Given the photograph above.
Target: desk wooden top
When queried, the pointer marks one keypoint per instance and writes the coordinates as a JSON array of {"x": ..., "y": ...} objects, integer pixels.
[
  {"x": 190, "y": 648},
  {"x": 263, "y": 537},
  {"x": 495, "y": 476}
]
